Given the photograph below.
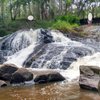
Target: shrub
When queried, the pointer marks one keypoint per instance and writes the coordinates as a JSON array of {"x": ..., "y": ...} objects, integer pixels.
[
  {"x": 63, "y": 26},
  {"x": 3, "y": 32},
  {"x": 43, "y": 24},
  {"x": 72, "y": 19}
]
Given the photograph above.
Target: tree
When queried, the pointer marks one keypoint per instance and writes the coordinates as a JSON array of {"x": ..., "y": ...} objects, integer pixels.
[{"x": 2, "y": 2}]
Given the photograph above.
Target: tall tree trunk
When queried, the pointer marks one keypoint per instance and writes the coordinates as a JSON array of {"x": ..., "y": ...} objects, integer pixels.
[
  {"x": 25, "y": 11},
  {"x": 19, "y": 12},
  {"x": 81, "y": 6},
  {"x": 2, "y": 10},
  {"x": 29, "y": 6},
  {"x": 60, "y": 7},
  {"x": 11, "y": 12}
]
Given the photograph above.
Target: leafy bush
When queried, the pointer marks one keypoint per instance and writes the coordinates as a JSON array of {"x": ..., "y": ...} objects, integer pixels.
[
  {"x": 72, "y": 19},
  {"x": 63, "y": 26},
  {"x": 3, "y": 32},
  {"x": 43, "y": 24}
]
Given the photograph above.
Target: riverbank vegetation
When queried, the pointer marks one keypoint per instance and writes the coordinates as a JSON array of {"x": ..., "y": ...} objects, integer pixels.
[{"x": 63, "y": 15}]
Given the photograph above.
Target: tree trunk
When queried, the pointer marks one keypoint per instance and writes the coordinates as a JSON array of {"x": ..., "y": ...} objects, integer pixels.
[
  {"x": 60, "y": 7},
  {"x": 2, "y": 10},
  {"x": 25, "y": 11},
  {"x": 29, "y": 6}
]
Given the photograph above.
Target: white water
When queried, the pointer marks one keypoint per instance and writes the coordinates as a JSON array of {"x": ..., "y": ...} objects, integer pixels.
[
  {"x": 93, "y": 60},
  {"x": 19, "y": 57},
  {"x": 60, "y": 40}
]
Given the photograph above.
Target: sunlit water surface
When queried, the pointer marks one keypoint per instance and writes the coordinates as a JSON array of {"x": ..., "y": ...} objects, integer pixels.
[{"x": 52, "y": 91}]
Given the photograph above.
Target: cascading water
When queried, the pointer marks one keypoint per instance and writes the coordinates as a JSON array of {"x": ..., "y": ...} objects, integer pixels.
[{"x": 43, "y": 49}]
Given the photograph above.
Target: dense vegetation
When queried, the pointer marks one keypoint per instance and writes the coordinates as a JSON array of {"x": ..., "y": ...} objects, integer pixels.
[{"x": 56, "y": 14}]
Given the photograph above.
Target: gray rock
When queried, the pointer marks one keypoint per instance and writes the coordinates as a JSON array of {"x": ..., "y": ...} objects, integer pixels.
[
  {"x": 6, "y": 71},
  {"x": 3, "y": 83},
  {"x": 45, "y": 36},
  {"x": 50, "y": 77},
  {"x": 41, "y": 79},
  {"x": 90, "y": 77},
  {"x": 2, "y": 58},
  {"x": 21, "y": 75},
  {"x": 8, "y": 68}
]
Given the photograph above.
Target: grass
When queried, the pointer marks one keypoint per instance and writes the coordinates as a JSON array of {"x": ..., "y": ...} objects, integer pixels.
[{"x": 63, "y": 26}]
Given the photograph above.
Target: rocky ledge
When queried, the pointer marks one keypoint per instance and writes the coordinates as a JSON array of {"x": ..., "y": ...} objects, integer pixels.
[
  {"x": 11, "y": 74},
  {"x": 48, "y": 77},
  {"x": 90, "y": 77}
]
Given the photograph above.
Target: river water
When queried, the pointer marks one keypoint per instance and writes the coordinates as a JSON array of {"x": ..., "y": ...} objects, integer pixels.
[{"x": 52, "y": 91}]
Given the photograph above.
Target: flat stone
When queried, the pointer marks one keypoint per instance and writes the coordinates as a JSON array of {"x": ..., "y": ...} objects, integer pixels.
[
  {"x": 48, "y": 77},
  {"x": 90, "y": 77},
  {"x": 21, "y": 75},
  {"x": 3, "y": 83},
  {"x": 6, "y": 71}
]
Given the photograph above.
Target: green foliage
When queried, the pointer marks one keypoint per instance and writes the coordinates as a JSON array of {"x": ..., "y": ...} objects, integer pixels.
[
  {"x": 66, "y": 22},
  {"x": 3, "y": 32},
  {"x": 68, "y": 2},
  {"x": 12, "y": 26},
  {"x": 43, "y": 24},
  {"x": 63, "y": 26},
  {"x": 69, "y": 18}
]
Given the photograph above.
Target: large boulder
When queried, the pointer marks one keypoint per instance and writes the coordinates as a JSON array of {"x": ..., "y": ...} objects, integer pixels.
[
  {"x": 54, "y": 77},
  {"x": 21, "y": 75},
  {"x": 6, "y": 71},
  {"x": 45, "y": 36},
  {"x": 3, "y": 83},
  {"x": 49, "y": 77},
  {"x": 90, "y": 77},
  {"x": 41, "y": 79}
]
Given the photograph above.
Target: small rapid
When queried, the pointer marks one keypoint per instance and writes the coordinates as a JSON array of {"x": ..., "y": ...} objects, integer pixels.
[{"x": 45, "y": 49}]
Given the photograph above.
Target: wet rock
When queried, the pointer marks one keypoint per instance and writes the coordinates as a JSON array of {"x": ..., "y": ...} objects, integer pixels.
[
  {"x": 50, "y": 77},
  {"x": 21, "y": 75},
  {"x": 90, "y": 77},
  {"x": 8, "y": 68},
  {"x": 2, "y": 58},
  {"x": 6, "y": 77},
  {"x": 6, "y": 71},
  {"x": 54, "y": 77},
  {"x": 41, "y": 79},
  {"x": 46, "y": 36},
  {"x": 3, "y": 83},
  {"x": 15, "y": 42}
]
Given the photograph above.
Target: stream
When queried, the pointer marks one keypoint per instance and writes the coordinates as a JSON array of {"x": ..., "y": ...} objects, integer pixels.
[
  {"x": 53, "y": 91},
  {"x": 49, "y": 49}
]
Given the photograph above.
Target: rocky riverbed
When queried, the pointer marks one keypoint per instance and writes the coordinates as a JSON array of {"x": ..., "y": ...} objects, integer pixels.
[
  {"x": 45, "y": 56},
  {"x": 10, "y": 74}
]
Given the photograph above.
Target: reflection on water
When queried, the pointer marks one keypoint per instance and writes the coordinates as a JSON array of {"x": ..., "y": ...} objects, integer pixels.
[{"x": 54, "y": 91}]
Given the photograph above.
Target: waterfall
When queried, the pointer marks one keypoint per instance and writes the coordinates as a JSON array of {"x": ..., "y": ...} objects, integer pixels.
[{"x": 44, "y": 49}]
